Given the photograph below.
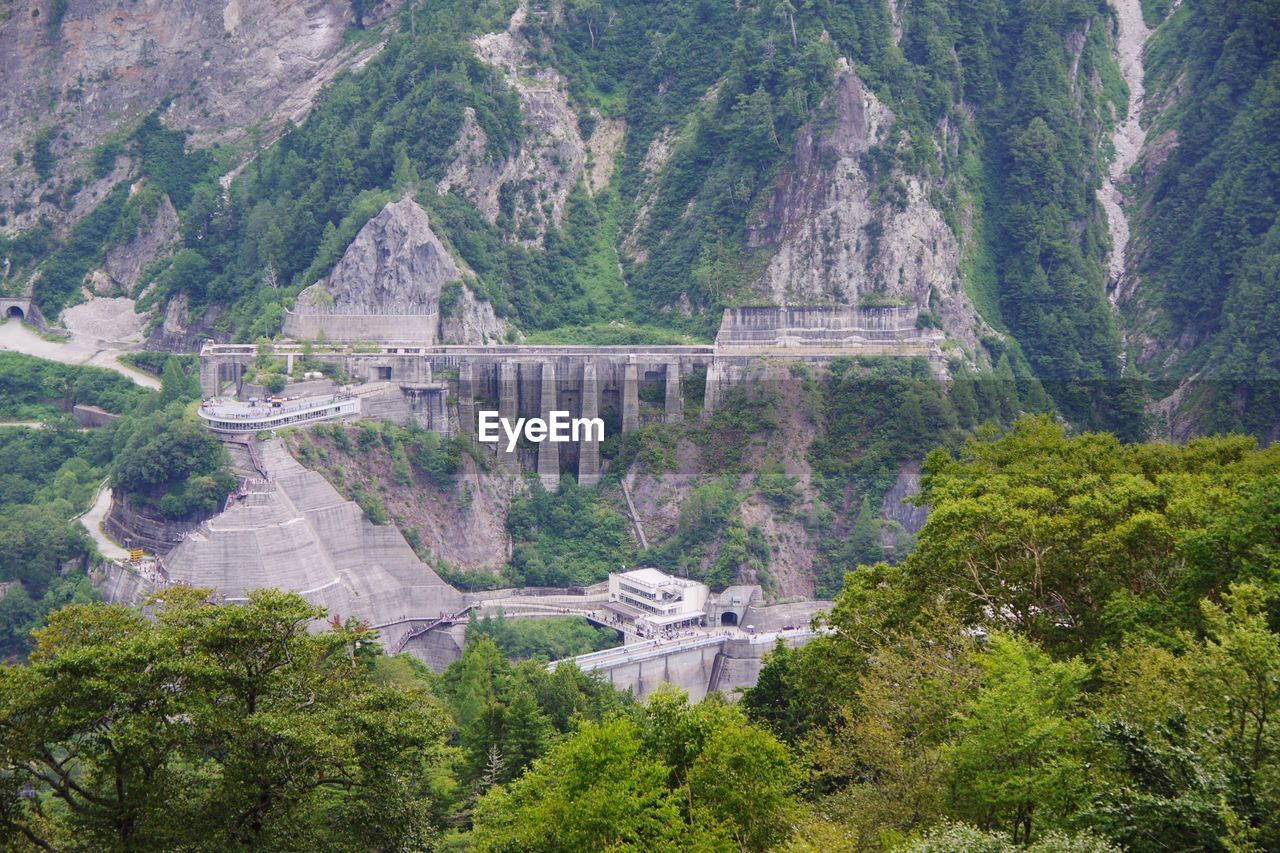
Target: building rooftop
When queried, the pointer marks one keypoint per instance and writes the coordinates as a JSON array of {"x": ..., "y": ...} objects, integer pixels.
[{"x": 655, "y": 577}]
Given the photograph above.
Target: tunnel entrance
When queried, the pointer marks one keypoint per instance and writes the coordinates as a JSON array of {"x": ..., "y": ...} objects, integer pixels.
[
  {"x": 14, "y": 311},
  {"x": 729, "y": 618}
]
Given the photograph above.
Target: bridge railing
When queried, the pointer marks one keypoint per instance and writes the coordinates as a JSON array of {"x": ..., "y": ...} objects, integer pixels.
[
  {"x": 657, "y": 648},
  {"x": 418, "y": 631},
  {"x": 641, "y": 651}
]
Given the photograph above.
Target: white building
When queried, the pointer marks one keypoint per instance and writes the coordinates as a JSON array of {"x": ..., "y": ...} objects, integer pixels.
[
  {"x": 233, "y": 416},
  {"x": 655, "y": 600}
]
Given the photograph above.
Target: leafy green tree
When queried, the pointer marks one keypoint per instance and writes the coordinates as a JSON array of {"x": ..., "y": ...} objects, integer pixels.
[
  {"x": 1015, "y": 758},
  {"x": 724, "y": 762},
  {"x": 526, "y": 733},
  {"x": 1188, "y": 739},
  {"x": 746, "y": 780},
  {"x": 554, "y": 638},
  {"x": 752, "y": 124},
  {"x": 37, "y": 539},
  {"x": 963, "y": 838},
  {"x": 596, "y": 790},
  {"x": 215, "y": 726},
  {"x": 864, "y": 539},
  {"x": 567, "y": 538},
  {"x": 169, "y": 461},
  {"x": 776, "y": 700},
  {"x": 176, "y": 384},
  {"x": 885, "y": 758},
  {"x": 477, "y": 685},
  {"x": 1036, "y": 531}
]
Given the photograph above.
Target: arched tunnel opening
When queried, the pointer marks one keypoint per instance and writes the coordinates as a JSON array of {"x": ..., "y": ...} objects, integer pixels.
[
  {"x": 14, "y": 311},
  {"x": 728, "y": 618}
]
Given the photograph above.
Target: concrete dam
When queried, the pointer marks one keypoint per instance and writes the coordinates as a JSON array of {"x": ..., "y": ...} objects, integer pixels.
[
  {"x": 288, "y": 527},
  {"x": 699, "y": 664},
  {"x": 442, "y": 387}
]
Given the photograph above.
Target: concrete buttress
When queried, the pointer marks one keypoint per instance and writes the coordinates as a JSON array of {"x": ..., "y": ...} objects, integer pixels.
[
  {"x": 507, "y": 404},
  {"x": 673, "y": 408},
  {"x": 548, "y": 451},
  {"x": 630, "y": 399},
  {"x": 588, "y": 448}
]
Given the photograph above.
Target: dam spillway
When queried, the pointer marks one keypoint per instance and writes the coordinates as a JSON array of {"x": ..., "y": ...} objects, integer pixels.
[{"x": 442, "y": 386}]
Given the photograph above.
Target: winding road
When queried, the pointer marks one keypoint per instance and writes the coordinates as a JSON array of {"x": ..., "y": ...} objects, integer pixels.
[
  {"x": 17, "y": 337},
  {"x": 92, "y": 521}
]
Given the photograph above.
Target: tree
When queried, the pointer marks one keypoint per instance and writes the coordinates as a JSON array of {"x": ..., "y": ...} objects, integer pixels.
[
  {"x": 169, "y": 461},
  {"x": 775, "y": 700},
  {"x": 953, "y": 837},
  {"x": 37, "y": 539},
  {"x": 477, "y": 685},
  {"x": 175, "y": 384},
  {"x": 1014, "y": 759},
  {"x": 1035, "y": 531},
  {"x": 746, "y": 780},
  {"x": 864, "y": 540},
  {"x": 596, "y": 790},
  {"x": 752, "y": 124},
  {"x": 886, "y": 755},
  {"x": 215, "y": 726},
  {"x": 527, "y": 732},
  {"x": 405, "y": 174},
  {"x": 739, "y": 778}
]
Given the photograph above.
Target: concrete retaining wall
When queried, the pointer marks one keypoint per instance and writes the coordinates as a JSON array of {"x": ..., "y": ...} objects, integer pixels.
[
  {"x": 92, "y": 416},
  {"x": 698, "y": 666},
  {"x": 689, "y": 669},
  {"x": 119, "y": 585},
  {"x": 125, "y": 523},
  {"x": 422, "y": 328}
]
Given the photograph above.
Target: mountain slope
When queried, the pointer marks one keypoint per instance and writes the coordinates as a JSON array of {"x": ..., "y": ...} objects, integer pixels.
[
  {"x": 1208, "y": 228},
  {"x": 647, "y": 164}
]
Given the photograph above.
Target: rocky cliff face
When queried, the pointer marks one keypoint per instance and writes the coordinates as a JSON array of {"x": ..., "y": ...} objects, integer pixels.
[
  {"x": 838, "y": 232},
  {"x": 223, "y": 67},
  {"x": 126, "y": 262},
  {"x": 396, "y": 268},
  {"x": 530, "y": 187}
]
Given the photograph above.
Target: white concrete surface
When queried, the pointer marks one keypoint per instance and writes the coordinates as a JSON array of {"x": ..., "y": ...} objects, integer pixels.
[
  {"x": 80, "y": 349},
  {"x": 92, "y": 521}
]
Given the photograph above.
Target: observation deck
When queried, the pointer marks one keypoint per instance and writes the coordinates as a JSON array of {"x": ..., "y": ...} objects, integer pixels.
[{"x": 235, "y": 417}]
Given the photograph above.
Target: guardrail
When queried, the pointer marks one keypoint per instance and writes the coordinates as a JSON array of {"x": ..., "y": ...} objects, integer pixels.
[
  {"x": 650, "y": 649},
  {"x": 634, "y": 652},
  {"x": 398, "y": 645}
]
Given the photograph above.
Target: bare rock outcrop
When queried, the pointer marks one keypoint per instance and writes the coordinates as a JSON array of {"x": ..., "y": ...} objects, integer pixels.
[
  {"x": 540, "y": 176},
  {"x": 471, "y": 321},
  {"x": 395, "y": 282},
  {"x": 126, "y": 262},
  {"x": 839, "y": 233},
  {"x": 603, "y": 147},
  {"x": 656, "y": 157},
  {"x": 223, "y": 67},
  {"x": 902, "y": 520},
  {"x": 178, "y": 331}
]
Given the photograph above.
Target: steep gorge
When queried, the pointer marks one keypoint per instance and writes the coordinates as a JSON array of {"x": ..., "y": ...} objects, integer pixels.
[
  {"x": 623, "y": 171},
  {"x": 1127, "y": 141}
]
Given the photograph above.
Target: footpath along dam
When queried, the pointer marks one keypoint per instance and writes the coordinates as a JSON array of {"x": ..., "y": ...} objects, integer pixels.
[{"x": 442, "y": 387}]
